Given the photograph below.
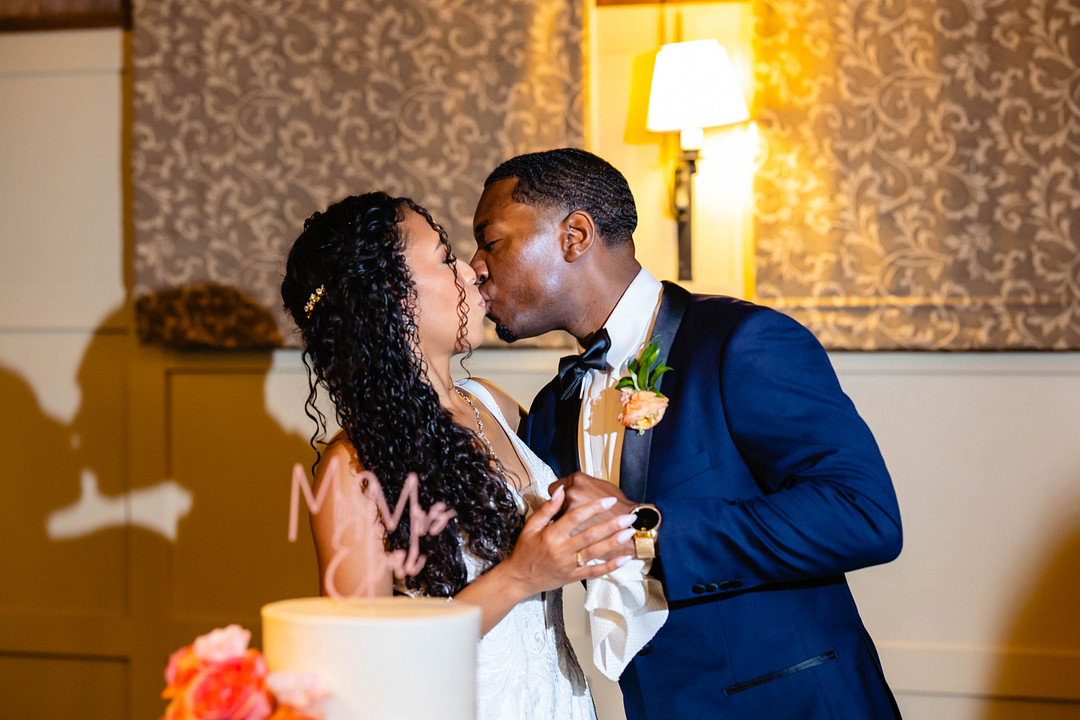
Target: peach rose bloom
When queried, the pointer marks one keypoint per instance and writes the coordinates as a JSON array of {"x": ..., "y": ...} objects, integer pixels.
[
  {"x": 299, "y": 690},
  {"x": 222, "y": 644},
  {"x": 230, "y": 690},
  {"x": 641, "y": 409},
  {"x": 285, "y": 712},
  {"x": 181, "y": 668}
]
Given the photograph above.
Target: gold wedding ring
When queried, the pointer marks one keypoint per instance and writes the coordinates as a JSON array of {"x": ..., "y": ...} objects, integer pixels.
[{"x": 580, "y": 562}]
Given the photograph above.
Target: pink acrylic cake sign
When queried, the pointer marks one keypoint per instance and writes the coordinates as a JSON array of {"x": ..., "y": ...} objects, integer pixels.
[{"x": 401, "y": 562}]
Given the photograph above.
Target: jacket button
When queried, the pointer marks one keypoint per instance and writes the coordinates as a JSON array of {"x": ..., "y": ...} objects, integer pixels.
[
  {"x": 698, "y": 589},
  {"x": 736, "y": 583},
  {"x": 711, "y": 587},
  {"x": 646, "y": 649},
  {"x": 724, "y": 585}
]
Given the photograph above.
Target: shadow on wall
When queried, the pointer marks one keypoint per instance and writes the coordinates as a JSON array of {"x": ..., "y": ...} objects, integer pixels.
[
  {"x": 40, "y": 470},
  {"x": 70, "y": 507},
  {"x": 1046, "y": 626},
  {"x": 66, "y": 487},
  {"x": 99, "y": 440},
  {"x": 84, "y": 547}
]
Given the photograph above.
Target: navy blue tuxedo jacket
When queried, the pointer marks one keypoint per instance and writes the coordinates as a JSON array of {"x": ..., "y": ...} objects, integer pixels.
[{"x": 771, "y": 488}]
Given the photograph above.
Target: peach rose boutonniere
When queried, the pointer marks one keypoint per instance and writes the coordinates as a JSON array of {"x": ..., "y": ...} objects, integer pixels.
[{"x": 643, "y": 405}]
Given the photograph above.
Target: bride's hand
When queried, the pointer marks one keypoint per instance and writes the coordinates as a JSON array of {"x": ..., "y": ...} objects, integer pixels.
[{"x": 549, "y": 555}]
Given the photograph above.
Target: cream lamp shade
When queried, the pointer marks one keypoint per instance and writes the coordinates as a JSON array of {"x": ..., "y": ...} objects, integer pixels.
[{"x": 694, "y": 87}]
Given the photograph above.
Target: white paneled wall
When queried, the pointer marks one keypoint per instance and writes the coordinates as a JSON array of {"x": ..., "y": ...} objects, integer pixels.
[
  {"x": 62, "y": 365},
  {"x": 60, "y": 179}
]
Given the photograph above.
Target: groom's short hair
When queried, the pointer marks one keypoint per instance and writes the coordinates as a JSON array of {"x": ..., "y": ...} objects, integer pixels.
[{"x": 574, "y": 179}]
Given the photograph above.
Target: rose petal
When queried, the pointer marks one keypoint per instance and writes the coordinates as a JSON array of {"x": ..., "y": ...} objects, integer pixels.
[
  {"x": 230, "y": 690},
  {"x": 299, "y": 690},
  {"x": 222, "y": 644}
]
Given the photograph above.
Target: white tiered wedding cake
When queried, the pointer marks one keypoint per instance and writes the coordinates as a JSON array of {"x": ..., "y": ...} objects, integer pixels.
[{"x": 381, "y": 658}]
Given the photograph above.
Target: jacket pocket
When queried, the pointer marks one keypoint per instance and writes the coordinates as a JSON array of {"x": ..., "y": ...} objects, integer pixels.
[
  {"x": 798, "y": 667},
  {"x": 688, "y": 468}
]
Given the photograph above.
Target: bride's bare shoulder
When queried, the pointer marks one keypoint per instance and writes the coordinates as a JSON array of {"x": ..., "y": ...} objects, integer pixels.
[
  {"x": 346, "y": 527},
  {"x": 339, "y": 456}
]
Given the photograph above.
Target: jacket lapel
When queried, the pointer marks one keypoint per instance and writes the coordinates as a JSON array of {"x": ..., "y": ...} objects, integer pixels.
[
  {"x": 564, "y": 444},
  {"x": 634, "y": 463}
]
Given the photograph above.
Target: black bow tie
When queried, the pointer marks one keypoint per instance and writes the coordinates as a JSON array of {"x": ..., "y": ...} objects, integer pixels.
[{"x": 572, "y": 368}]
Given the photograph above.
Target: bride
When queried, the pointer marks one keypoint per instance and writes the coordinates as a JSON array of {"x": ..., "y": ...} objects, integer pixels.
[{"x": 383, "y": 305}]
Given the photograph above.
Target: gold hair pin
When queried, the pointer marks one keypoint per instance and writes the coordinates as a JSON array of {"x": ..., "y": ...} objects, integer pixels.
[{"x": 314, "y": 299}]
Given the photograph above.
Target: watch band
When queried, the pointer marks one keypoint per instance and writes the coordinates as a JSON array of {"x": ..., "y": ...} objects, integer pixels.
[{"x": 645, "y": 545}]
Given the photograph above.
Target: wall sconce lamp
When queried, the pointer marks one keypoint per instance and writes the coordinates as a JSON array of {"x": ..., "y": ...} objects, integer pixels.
[{"x": 693, "y": 87}]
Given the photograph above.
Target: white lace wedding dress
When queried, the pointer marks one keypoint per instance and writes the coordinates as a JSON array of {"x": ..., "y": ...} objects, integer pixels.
[{"x": 525, "y": 666}]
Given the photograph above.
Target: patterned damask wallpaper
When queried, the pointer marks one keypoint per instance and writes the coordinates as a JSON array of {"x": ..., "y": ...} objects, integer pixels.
[
  {"x": 249, "y": 115},
  {"x": 920, "y": 188}
]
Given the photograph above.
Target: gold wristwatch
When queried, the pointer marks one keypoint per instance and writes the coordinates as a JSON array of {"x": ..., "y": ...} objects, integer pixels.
[{"x": 645, "y": 527}]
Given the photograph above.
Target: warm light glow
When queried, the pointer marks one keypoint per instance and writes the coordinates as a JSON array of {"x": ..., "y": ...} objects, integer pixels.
[
  {"x": 691, "y": 138},
  {"x": 693, "y": 87}
]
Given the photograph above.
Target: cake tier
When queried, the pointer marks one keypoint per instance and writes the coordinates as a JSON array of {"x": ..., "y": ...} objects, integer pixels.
[{"x": 383, "y": 658}]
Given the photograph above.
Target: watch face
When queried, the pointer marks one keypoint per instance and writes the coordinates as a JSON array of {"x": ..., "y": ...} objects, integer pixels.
[{"x": 647, "y": 519}]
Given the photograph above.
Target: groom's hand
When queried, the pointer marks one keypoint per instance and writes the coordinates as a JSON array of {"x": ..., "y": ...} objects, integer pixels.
[{"x": 582, "y": 489}]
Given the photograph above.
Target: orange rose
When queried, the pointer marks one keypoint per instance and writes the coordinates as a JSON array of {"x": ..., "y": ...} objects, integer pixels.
[
  {"x": 641, "y": 409},
  {"x": 284, "y": 712},
  {"x": 183, "y": 665},
  {"x": 230, "y": 690}
]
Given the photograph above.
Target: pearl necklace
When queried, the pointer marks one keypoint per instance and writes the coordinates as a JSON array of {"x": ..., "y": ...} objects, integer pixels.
[{"x": 480, "y": 430}]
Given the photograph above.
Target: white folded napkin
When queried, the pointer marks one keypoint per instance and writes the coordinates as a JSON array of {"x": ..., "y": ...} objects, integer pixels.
[{"x": 626, "y": 607}]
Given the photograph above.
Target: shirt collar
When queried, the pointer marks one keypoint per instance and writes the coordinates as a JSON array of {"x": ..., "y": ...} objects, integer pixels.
[{"x": 629, "y": 322}]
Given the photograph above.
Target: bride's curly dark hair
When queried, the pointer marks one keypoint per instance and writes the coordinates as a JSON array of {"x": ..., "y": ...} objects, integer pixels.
[{"x": 359, "y": 341}]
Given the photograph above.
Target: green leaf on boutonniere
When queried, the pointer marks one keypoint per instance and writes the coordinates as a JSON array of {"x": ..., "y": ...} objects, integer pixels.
[
  {"x": 643, "y": 403},
  {"x": 648, "y": 358},
  {"x": 645, "y": 370},
  {"x": 641, "y": 380}
]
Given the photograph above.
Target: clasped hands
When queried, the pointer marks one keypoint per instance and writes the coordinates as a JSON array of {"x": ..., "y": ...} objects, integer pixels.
[{"x": 582, "y": 532}]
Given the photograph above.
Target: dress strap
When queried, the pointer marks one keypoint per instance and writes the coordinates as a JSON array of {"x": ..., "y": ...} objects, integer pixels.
[
  {"x": 478, "y": 391},
  {"x": 534, "y": 466}
]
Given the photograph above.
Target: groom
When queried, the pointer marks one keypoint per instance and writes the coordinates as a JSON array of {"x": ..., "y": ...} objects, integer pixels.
[{"x": 757, "y": 489}]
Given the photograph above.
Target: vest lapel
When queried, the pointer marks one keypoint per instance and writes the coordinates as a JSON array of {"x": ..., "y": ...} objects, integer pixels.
[{"x": 634, "y": 463}]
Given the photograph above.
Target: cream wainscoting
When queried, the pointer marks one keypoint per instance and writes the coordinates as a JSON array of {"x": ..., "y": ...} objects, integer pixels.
[{"x": 64, "y": 604}]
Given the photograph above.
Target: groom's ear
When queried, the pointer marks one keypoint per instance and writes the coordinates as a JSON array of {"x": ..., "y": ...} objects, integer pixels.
[{"x": 578, "y": 235}]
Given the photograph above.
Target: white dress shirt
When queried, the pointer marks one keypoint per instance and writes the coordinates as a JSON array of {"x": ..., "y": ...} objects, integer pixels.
[
  {"x": 626, "y": 607},
  {"x": 599, "y": 428}
]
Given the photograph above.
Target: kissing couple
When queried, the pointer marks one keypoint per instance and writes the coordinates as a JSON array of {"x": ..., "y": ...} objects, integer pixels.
[{"x": 697, "y": 465}]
